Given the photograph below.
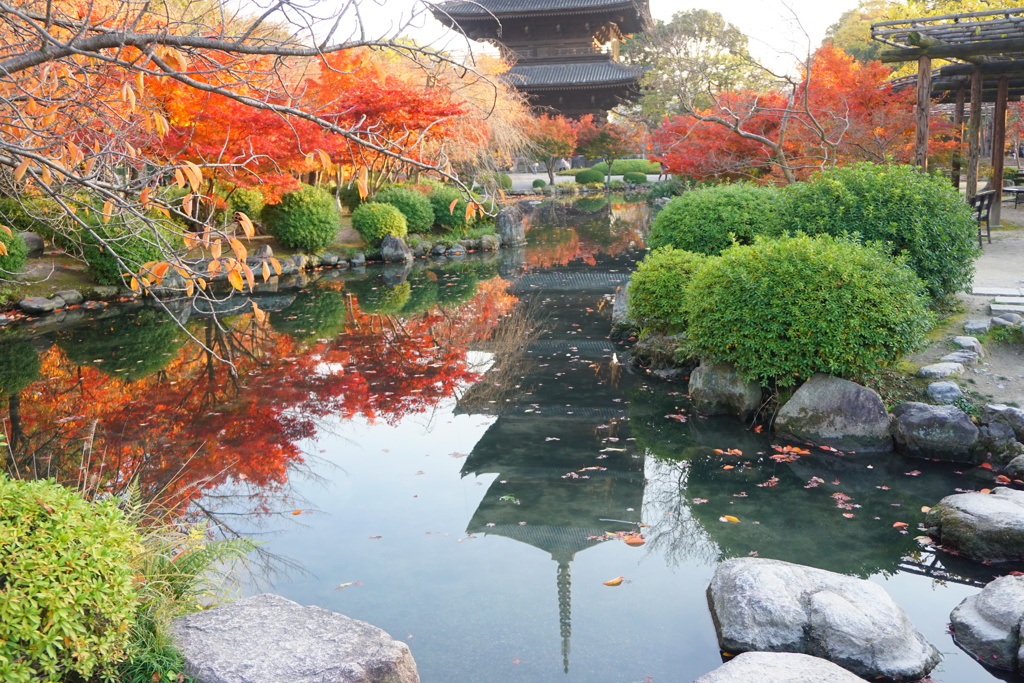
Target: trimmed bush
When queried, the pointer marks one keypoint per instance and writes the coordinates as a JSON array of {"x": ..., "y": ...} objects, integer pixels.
[
  {"x": 68, "y": 589},
  {"x": 710, "y": 219},
  {"x": 415, "y": 206},
  {"x": 539, "y": 183},
  {"x": 446, "y": 218},
  {"x": 783, "y": 309},
  {"x": 635, "y": 178},
  {"x": 17, "y": 252},
  {"x": 248, "y": 201},
  {"x": 23, "y": 215},
  {"x": 918, "y": 215},
  {"x": 128, "y": 239},
  {"x": 305, "y": 219},
  {"x": 589, "y": 175},
  {"x": 657, "y": 288},
  {"x": 496, "y": 179},
  {"x": 624, "y": 166},
  {"x": 374, "y": 221}
]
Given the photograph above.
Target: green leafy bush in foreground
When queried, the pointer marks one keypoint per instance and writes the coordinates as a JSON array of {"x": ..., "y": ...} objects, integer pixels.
[
  {"x": 656, "y": 289},
  {"x": 247, "y": 200},
  {"x": 446, "y": 217},
  {"x": 589, "y": 175},
  {"x": 374, "y": 221},
  {"x": 305, "y": 219},
  {"x": 415, "y": 206},
  {"x": 68, "y": 596},
  {"x": 783, "y": 309},
  {"x": 916, "y": 214},
  {"x": 707, "y": 220}
]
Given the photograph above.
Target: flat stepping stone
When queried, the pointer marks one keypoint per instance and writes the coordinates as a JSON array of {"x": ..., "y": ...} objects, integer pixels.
[
  {"x": 1005, "y": 308},
  {"x": 988, "y": 527},
  {"x": 940, "y": 370},
  {"x": 987, "y": 624},
  {"x": 779, "y": 667},
  {"x": 970, "y": 344},
  {"x": 1013, "y": 300},
  {"x": 944, "y": 392},
  {"x": 963, "y": 356},
  {"x": 997, "y": 291},
  {"x": 977, "y": 326}
]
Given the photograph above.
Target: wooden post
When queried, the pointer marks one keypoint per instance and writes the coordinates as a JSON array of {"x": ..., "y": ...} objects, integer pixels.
[
  {"x": 973, "y": 133},
  {"x": 998, "y": 151},
  {"x": 958, "y": 136},
  {"x": 924, "y": 101}
]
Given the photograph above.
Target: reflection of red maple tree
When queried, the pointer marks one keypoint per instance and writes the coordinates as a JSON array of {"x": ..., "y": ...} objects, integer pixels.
[{"x": 201, "y": 422}]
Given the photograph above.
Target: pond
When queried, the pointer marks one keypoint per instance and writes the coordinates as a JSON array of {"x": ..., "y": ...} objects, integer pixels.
[{"x": 456, "y": 453}]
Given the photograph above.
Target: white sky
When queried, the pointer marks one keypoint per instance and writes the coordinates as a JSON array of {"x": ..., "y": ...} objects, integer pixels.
[{"x": 771, "y": 25}]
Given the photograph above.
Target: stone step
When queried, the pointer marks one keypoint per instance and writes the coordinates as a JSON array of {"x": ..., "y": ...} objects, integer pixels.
[
  {"x": 1012, "y": 300},
  {"x": 997, "y": 309},
  {"x": 997, "y": 291}
]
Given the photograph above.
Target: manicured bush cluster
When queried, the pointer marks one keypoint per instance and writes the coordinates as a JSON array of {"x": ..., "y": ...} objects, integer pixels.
[
  {"x": 783, "y": 309},
  {"x": 539, "y": 183},
  {"x": 589, "y": 175},
  {"x": 635, "y": 178},
  {"x": 915, "y": 214},
  {"x": 415, "y": 206},
  {"x": 624, "y": 166},
  {"x": 248, "y": 201},
  {"x": 374, "y": 221},
  {"x": 127, "y": 238},
  {"x": 305, "y": 219},
  {"x": 68, "y": 596},
  {"x": 446, "y": 217},
  {"x": 708, "y": 220},
  {"x": 656, "y": 289}
]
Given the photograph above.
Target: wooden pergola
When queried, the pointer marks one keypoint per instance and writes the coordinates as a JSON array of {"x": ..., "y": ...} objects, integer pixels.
[{"x": 986, "y": 55}]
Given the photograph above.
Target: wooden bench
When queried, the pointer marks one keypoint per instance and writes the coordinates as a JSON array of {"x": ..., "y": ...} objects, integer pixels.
[{"x": 981, "y": 207}]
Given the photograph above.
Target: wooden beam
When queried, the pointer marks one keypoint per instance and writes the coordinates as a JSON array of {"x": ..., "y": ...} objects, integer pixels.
[
  {"x": 974, "y": 134},
  {"x": 958, "y": 136},
  {"x": 998, "y": 153},
  {"x": 956, "y": 51},
  {"x": 924, "y": 90}
]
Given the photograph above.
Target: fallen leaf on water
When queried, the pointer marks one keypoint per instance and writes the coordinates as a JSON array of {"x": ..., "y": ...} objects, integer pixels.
[
  {"x": 297, "y": 512},
  {"x": 925, "y": 508},
  {"x": 517, "y": 661},
  {"x": 734, "y": 451},
  {"x": 634, "y": 540},
  {"x": 729, "y": 467},
  {"x": 728, "y": 518},
  {"x": 1002, "y": 479},
  {"x": 848, "y": 515},
  {"x": 617, "y": 581},
  {"x": 374, "y": 538},
  {"x": 985, "y": 491},
  {"x": 758, "y": 428},
  {"x": 899, "y": 525},
  {"x": 699, "y": 501},
  {"x": 343, "y": 586},
  {"x": 985, "y": 466}
]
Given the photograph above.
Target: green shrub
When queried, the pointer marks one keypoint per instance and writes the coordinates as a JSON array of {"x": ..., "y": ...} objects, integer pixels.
[
  {"x": 374, "y": 221},
  {"x": 539, "y": 183},
  {"x": 68, "y": 590},
  {"x": 248, "y": 201},
  {"x": 589, "y": 175},
  {"x": 617, "y": 185},
  {"x": 305, "y": 219},
  {"x": 710, "y": 219},
  {"x": 17, "y": 252},
  {"x": 415, "y": 206},
  {"x": 127, "y": 238},
  {"x": 348, "y": 195},
  {"x": 495, "y": 179},
  {"x": 783, "y": 309},
  {"x": 669, "y": 187},
  {"x": 918, "y": 215},
  {"x": 657, "y": 288},
  {"x": 635, "y": 178},
  {"x": 624, "y": 166},
  {"x": 23, "y": 215},
  {"x": 446, "y": 218}
]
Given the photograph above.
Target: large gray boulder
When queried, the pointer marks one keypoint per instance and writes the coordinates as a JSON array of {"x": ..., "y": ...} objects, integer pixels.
[
  {"x": 719, "y": 390},
  {"x": 36, "y": 245},
  {"x": 37, "y": 305},
  {"x": 987, "y": 625},
  {"x": 510, "y": 227},
  {"x": 836, "y": 412},
  {"x": 774, "y": 606},
  {"x": 269, "y": 639},
  {"x": 1007, "y": 415},
  {"x": 395, "y": 250},
  {"x": 778, "y": 667},
  {"x": 938, "y": 432},
  {"x": 982, "y": 526}
]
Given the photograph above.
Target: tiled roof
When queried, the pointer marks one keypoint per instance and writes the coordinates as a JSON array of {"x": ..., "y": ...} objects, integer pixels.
[
  {"x": 572, "y": 75},
  {"x": 506, "y": 7}
]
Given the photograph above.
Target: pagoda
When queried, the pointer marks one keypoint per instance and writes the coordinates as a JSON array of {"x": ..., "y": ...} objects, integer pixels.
[{"x": 564, "y": 52}]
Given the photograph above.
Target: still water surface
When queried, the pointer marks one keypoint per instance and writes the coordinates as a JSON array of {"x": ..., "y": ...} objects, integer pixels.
[{"x": 461, "y": 446}]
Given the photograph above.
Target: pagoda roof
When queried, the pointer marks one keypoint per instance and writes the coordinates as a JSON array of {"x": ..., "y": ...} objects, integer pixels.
[
  {"x": 572, "y": 75},
  {"x": 513, "y": 8}
]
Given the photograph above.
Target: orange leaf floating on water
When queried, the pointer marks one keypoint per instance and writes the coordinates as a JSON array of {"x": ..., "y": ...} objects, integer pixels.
[
  {"x": 848, "y": 515},
  {"x": 297, "y": 512},
  {"x": 899, "y": 525},
  {"x": 634, "y": 540},
  {"x": 729, "y": 518},
  {"x": 985, "y": 491},
  {"x": 985, "y": 465},
  {"x": 1002, "y": 479},
  {"x": 734, "y": 451},
  {"x": 729, "y": 467},
  {"x": 617, "y": 581},
  {"x": 925, "y": 508}
]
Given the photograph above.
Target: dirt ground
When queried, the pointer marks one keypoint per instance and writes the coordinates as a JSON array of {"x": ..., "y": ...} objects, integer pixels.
[{"x": 999, "y": 377}]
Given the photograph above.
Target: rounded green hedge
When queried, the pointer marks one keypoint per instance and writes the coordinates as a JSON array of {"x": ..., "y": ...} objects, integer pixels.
[
  {"x": 708, "y": 220},
  {"x": 539, "y": 183},
  {"x": 68, "y": 591},
  {"x": 624, "y": 166},
  {"x": 783, "y": 309},
  {"x": 589, "y": 175},
  {"x": 126, "y": 238},
  {"x": 918, "y": 215},
  {"x": 657, "y": 288},
  {"x": 374, "y": 221},
  {"x": 248, "y": 201},
  {"x": 635, "y": 178},
  {"x": 419, "y": 214},
  {"x": 305, "y": 219},
  {"x": 446, "y": 218}
]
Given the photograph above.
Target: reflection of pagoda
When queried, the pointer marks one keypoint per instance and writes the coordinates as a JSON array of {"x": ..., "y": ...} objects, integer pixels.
[
  {"x": 567, "y": 416},
  {"x": 565, "y": 51}
]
